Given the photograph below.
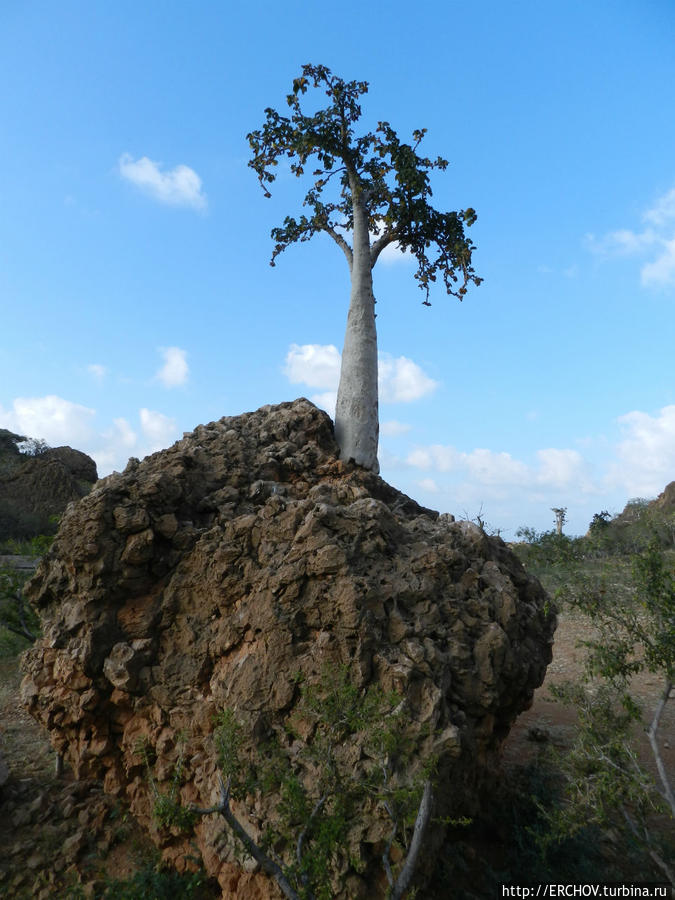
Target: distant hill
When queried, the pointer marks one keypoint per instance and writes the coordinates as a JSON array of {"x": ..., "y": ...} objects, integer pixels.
[
  {"x": 666, "y": 500},
  {"x": 634, "y": 509},
  {"x": 37, "y": 482}
]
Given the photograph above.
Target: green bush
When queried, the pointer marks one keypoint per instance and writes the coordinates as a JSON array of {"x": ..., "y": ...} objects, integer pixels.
[{"x": 19, "y": 625}]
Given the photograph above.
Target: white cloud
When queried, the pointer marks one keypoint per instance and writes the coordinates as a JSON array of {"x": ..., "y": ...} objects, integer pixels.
[
  {"x": 646, "y": 454},
  {"x": 436, "y": 456},
  {"x": 488, "y": 467},
  {"x": 62, "y": 422},
  {"x": 157, "y": 428},
  {"x": 49, "y": 418},
  {"x": 401, "y": 380},
  {"x": 175, "y": 370},
  {"x": 655, "y": 243},
  {"x": 556, "y": 469},
  {"x": 429, "y": 485},
  {"x": 98, "y": 371},
  {"x": 663, "y": 210},
  {"x": 394, "y": 428},
  {"x": 180, "y": 186},
  {"x": 662, "y": 270},
  {"x": 622, "y": 242},
  {"x": 318, "y": 365},
  {"x": 113, "y": 447},
  {"x": 391, "y": 254},
  {"x": 562, "y": 468},
  {"x": 326, "y": 400}
]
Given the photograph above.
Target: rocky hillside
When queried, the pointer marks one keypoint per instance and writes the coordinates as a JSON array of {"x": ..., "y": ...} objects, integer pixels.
[
  {"x": 229, "y": 570},
  {"x": 37, "y": 486}
]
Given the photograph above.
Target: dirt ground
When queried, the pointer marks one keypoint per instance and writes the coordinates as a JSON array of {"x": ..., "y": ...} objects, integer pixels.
[
  {"x": 559, "y": 721},
  {"x": 55, "y": 832}
]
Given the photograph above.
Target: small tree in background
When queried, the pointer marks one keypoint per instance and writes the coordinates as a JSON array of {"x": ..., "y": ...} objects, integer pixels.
[
  {"x": 381, "y": 198},
  {"x": 560, "y": 517},
  {"x": 16, "y": 616}
]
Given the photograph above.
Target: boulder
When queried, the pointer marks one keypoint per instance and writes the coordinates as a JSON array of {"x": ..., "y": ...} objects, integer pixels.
[
  {"x": 35, "y": 489},
  {"x": 219, "y": 572}
]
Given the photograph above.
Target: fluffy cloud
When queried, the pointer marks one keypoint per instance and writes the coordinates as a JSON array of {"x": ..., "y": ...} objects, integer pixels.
[
  {"x": 113, "y": 447},
  {"x": 175, "y": 370},
  {"x": 326, "y": 400},
  {"x": 50, "y": 418},
  {"x": 158, "y": 429},
  {"x": 318, "y": 365},
  {"x": 561, "y": 468},
  {"x": 98, "y": 371},
  {"x": 663, "y": 210},
  {"x": 656, "y": 241},
  {"x": 555, "y": 469},
  {"x": 661, "y": 271},
  {"x": 59, "y": 422},
  {"x": 392, "y": 253},
  {"x": 646, "y": 454},
  {"x": 401, "y": 380},
  {"x": 180, "y": 186}
]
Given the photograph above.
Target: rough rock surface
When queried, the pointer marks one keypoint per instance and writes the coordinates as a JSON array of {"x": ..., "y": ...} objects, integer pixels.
[
  {"x": 666, "y": 499},
  {"x": 35, "y": 488},
  {"x": 209, "y": 574}
]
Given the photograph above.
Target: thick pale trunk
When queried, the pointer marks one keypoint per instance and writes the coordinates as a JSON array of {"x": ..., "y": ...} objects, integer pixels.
[{"x": 356, "y": 412}]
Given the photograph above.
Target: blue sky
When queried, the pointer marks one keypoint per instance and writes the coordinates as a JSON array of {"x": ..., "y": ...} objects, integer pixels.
[{"x": 135, "y": 291}]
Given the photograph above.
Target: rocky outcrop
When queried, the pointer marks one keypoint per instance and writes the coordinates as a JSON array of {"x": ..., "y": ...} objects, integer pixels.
[
  {"x": 666, "y": 499},
  {"x": 211, "y": 575},
  {"x": 36, "y": 488}
]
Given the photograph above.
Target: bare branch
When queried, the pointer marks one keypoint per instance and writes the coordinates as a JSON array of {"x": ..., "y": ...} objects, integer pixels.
[
  {"x": 342, "y": 244},
  {"x": 646, "y": 839},
  {"x": 651, "y": 734},
  {"x": 386, "y": 238},
  {"x": 301, "y": 839},
  {"x": 421, "y": 822},
  {"x": 266, "y": 864},
  {"x": 387, "y": 851}
]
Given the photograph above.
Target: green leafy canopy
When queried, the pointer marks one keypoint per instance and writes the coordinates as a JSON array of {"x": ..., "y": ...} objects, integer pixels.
[{"x": 385, "y": 177}]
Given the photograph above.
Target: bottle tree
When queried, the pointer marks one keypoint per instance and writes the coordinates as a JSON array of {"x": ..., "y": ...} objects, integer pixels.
[{"x": 380, "y": 197}]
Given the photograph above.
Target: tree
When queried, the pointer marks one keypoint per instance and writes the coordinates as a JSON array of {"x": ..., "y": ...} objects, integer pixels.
[
  {"x": 383, "y": 199},
  {"x": 560, "y": 518},
  {"x": 636, "y": 633},
  {"x": 321, "y": 792},
  {"x": 16, "y": 616}
]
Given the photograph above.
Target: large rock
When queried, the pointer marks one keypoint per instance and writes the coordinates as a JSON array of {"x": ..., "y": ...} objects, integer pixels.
[
  {"x": 35, "y": 489},
  {"x": 210, "y": 574}
]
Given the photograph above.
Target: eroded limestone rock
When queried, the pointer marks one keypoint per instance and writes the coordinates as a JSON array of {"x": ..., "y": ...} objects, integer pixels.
[{"x": 209, "y": 574}]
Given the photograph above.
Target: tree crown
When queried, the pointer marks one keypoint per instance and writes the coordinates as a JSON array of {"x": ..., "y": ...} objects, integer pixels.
[{"x": 376, "y": 171}]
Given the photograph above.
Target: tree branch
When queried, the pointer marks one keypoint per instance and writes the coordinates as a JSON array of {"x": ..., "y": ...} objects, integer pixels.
[
  {"x": 386, "y": 238},
  {"x": 646, "y": 839},
  {"x": 387, "y": 849},
  {"x": 21, "y": 632},
  {"x": 342, "y": 244},
  {"x": 266, "y": 864},
  {"x": 303, "y": 834},
  {"x": 406, "y": 875},
  {"x": 651, "y": 734}
]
